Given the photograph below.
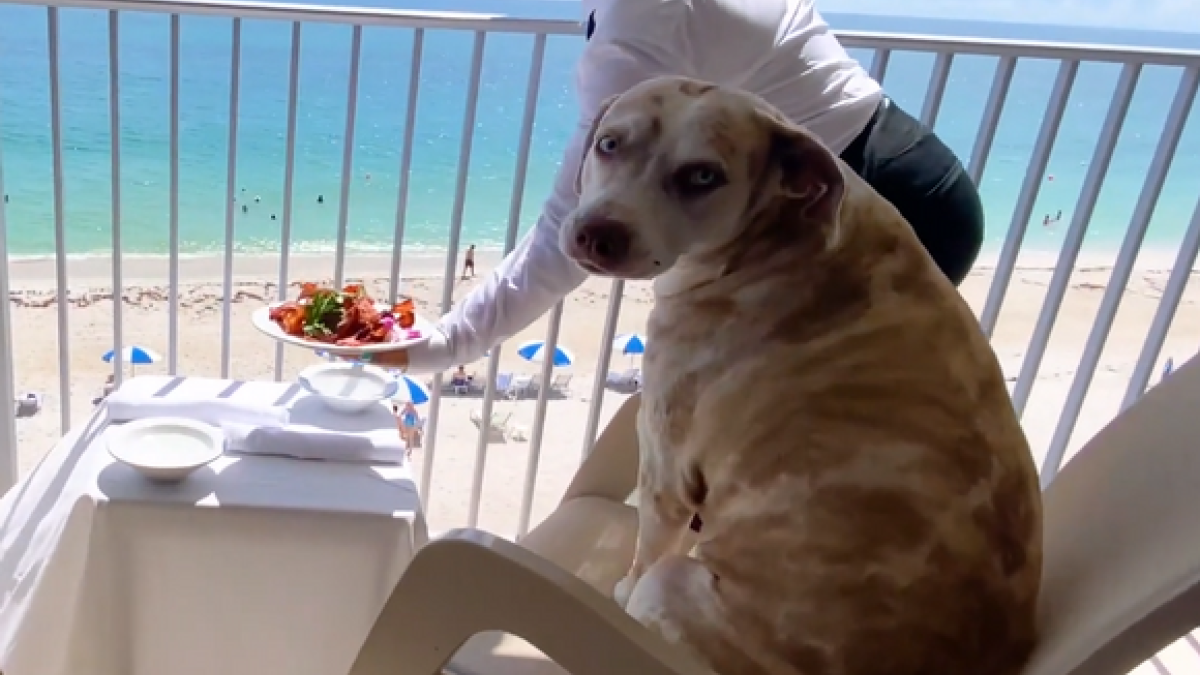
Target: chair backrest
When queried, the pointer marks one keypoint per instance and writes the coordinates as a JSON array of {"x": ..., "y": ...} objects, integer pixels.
[
  {"x": 504, "y": 381},
  {"x": 610, "y": 469},
  {"x": 1122, "y": 533}
]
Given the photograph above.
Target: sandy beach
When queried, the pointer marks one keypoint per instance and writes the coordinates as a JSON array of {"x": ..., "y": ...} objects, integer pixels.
[{"x": 144, "y": 317}]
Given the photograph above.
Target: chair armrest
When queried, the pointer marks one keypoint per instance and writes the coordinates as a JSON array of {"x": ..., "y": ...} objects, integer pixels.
[
  {"x": 469, "y": 582},
  {"x": 610, "y": 469}
]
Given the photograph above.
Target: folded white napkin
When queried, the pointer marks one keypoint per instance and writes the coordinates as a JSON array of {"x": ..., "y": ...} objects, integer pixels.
[
  {"x": 125, "y": 407},
  {"x": 308, "y": 442}
]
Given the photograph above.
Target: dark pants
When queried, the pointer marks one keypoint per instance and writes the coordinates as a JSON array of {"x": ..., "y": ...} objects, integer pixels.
[{"x": 909, "y": 166}]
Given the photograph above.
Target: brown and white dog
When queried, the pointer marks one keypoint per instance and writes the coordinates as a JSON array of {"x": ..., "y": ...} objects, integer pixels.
[{"x": 818, "y": 393}]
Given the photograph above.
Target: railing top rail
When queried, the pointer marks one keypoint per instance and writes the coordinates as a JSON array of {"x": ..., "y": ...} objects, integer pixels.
[
  {"x": 365, "y": 16},
  {"x": 378, "y": 16},
  {"x": 1023, "y": 48}
]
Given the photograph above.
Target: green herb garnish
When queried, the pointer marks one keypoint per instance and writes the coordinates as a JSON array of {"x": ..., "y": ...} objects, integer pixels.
[{"x": 323, "y": 314}]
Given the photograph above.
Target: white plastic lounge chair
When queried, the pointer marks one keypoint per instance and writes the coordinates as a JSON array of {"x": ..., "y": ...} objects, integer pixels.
[
  {"x": 498, "y": 429},
  {"x": 28, "y": 405},
  {"x": 503, "y": 383},
  {"x": 1121, "y": 578},
  {"x": 561, "y": 384},
  {"x": 630, "y": 380},
  {"x": 520, "y": 387}
]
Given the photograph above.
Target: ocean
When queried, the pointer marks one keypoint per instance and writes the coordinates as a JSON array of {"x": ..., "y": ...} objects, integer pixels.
[{"x": 25, "y": 137}]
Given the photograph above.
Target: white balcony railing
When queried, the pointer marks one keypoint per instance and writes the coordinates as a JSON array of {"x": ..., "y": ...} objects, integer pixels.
[{"x": 881, "y": 50}]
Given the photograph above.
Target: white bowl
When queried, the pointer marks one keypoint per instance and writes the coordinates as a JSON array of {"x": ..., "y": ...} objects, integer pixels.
[
  {"x": 348, "y": 387},
  {"x": 165, "y": 449}
]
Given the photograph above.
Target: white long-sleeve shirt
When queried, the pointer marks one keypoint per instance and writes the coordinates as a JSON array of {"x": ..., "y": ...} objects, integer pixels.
[{"x": 781, "y": 50}]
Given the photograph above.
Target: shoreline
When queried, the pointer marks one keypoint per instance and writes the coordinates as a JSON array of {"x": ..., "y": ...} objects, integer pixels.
[
  {"x": 92, "y": 273},
  {"x": 67, "y": 372}
]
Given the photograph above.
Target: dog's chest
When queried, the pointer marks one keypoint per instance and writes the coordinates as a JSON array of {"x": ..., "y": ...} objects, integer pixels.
[{"x": 688, "y": 347}]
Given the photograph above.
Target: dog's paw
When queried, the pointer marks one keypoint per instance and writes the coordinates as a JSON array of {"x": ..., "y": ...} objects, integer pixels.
[{"x": 623, "y": 590}]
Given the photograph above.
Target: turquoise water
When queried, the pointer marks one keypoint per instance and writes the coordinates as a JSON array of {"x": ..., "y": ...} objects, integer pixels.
[{"x": 25, "y": 145}]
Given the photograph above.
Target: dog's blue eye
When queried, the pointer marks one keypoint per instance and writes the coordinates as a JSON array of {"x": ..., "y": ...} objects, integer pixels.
[
  {"x": 606, "y": 145},
  {"x": 698, "y": 179}
]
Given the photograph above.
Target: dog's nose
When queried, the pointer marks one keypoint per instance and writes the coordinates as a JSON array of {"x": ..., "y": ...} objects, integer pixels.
[{"x": 605, "y": 241}]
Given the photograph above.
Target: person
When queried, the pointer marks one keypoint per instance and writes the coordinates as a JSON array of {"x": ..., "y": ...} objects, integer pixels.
[
  {"x": 460, "y": 379},
  {"x": 409, "y": 423},
  {"x": 781, "y": 50},
  {"x": 469, "y": 262}
]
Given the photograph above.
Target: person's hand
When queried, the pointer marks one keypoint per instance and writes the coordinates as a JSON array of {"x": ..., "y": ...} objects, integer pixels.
[{"x": 396, "y": 358}]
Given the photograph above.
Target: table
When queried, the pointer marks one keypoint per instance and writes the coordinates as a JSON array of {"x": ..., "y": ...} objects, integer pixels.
[{"x": 253, "y": 566}]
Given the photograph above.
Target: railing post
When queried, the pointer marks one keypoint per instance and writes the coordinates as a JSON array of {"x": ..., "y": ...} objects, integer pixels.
[
  {"x": 1035, "y": 173},
  {"x": 1073, "y": 241},
  {"x": 235, "y": 85},
  {"x": 410, "y": 125},
  {"x": 173, "y": 217},
  {"x": 599, "y": 385},
  {"x": 289, "y": 181},
  {"x": 339, "y": 257},
  {"x": 9, "y": 453},
  {"x": 61, "y": 292},
  {"x": 937, "y": 88},
  {"x": 456, "y": 221},
  {"x": 998, "y": 95},
  {"x": 1177, "y": 282},
  {"x": 114, "y": 130}
]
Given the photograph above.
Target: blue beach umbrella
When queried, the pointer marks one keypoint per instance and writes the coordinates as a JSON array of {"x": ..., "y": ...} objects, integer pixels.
[
  {"x": 410, "y": 390},
  {"x": 630, "y": 343},
  {"x": 134, "y": 356},
  {"x": 535, "y": 351}
]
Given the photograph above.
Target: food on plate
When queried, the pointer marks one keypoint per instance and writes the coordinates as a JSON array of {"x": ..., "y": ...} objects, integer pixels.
[{"x": 347, "y": 318}]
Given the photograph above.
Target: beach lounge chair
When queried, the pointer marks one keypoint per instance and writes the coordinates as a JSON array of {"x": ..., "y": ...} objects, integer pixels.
[
  {"x": 561, "y": 384},
  {"x": 498, "y": 429},
  {"x": 1121, "y": 576},
  {"x": 520, "y": 387},
  {"x": 503, "y": 383},
  {"x": 630, "y": 380},
  {"x": 28, "y": 405},
  {"x": 449, "y": 387}
]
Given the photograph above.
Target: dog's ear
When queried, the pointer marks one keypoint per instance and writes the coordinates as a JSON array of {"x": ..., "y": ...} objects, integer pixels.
[
  {"x": 808, "y": 171},
  {"x": 591, "y": 140}
]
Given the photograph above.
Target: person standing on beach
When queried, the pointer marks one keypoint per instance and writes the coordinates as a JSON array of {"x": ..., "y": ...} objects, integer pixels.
[
  {"x": 469, "y": 262},
  {"x": 781, "y": 50}
]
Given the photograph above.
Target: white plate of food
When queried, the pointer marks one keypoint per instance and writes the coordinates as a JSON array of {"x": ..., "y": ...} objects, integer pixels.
[
  {"x": 343, "y": 322},
  {"x": 166, "y": 449}
]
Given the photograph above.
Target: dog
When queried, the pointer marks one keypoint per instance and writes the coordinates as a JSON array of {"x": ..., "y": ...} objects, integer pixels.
[{"x": 817, "y": 393}]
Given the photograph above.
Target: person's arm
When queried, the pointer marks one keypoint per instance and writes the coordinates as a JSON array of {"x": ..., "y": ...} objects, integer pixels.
[
  {"x": 536, "y": 274},
  {"x": 531, "y": 278}
]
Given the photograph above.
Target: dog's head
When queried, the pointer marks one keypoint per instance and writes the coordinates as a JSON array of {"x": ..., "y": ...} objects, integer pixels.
[{"x": 676, "y": 167}]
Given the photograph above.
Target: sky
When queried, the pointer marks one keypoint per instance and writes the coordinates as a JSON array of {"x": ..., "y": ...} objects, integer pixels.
[{"x": 1168, "y": 15}]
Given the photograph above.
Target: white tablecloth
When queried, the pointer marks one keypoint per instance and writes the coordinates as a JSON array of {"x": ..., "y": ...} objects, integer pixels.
[{"x": 253, "y": 566}]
